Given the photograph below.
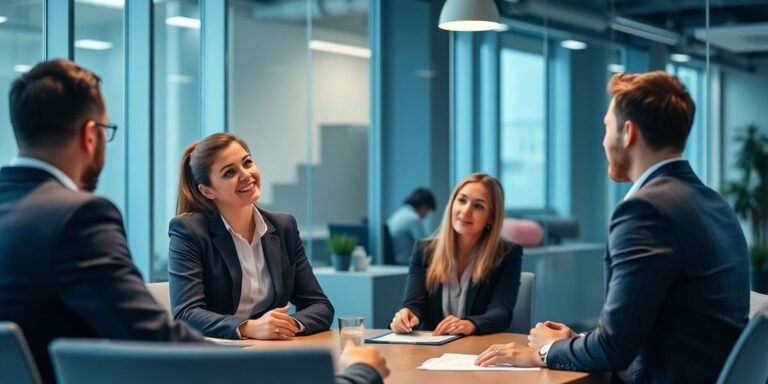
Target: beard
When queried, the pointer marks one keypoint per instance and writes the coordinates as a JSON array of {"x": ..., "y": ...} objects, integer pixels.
[
  {"x": 618, "y": 163},
  {"x": 90, "y": 177}
]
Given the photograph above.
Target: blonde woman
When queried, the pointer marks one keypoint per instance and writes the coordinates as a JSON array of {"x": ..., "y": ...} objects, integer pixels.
[{"x": 464, "y": 279}]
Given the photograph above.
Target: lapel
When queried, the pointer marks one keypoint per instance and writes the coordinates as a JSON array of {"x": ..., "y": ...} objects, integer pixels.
[
  {"x": 222, "y": 241},
  {"x": 471, "y": 295},
  {"x": 274, "y": 254},
  {"x": 607, "y": 272}
]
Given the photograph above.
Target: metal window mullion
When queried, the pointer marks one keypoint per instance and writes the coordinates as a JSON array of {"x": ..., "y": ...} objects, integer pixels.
[
  {"x": 139, "y": 68},
  {"x": 59, "y": 29},
  {"x": 214, "y": 52},
  {"x": 375, "y": 137}
]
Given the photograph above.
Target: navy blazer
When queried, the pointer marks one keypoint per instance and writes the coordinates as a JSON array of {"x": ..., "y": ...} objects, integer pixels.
[
  {"x": 677, "y": 292},
  {"x": 489, "y": 304},
  {"x": 65, "y": 268},
  {"x": 206, "y": 278}
]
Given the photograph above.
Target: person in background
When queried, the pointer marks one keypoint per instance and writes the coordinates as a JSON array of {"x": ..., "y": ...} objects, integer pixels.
[
  {"x": 406, "y": 225},
  {"x": 464, "y": 280},
  {"x": 677, "y": 291}
]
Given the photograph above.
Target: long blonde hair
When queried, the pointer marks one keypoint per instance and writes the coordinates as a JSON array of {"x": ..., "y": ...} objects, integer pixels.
[{"x": 443, "y": 245}]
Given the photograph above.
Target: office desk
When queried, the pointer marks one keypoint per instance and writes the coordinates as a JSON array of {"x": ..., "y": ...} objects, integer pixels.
[{"x": 403, "y": 359}]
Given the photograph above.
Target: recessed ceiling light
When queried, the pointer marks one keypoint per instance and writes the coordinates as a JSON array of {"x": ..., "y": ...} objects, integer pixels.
[
  {"x": 680, "y": 57},
  {"x": 616, "y": 68},
  {"x": 116, "y": 4},
  {"x": 183, "y": 22},
  {"x": 21, "y": 68},
  {"x": 3, "y": 19},
  {"x": 96, "y": 45},
  {"x": 341, "y": 49},
  {"x": 573, "y": 44}
]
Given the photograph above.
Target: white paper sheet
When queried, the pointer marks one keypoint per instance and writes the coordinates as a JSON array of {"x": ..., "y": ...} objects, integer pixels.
[
  {"x": 461, "y": 362},
  {"x": 416, "y": 337}
]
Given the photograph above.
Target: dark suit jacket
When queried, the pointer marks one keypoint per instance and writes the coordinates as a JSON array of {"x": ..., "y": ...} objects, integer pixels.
[
  {"x": 677, "y": 293},
  {"x": 65, "y": 269},
  {"x": 489, "y": 304},
  {"x": 205, "y": 274}
]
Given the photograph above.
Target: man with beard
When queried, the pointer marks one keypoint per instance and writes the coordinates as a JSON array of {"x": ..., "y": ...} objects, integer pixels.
[
  {"x": 677, "y": 292},
  {"x": 65, "y": 268}
]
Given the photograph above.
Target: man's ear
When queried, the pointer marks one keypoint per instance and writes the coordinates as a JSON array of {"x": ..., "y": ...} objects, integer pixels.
[
  {"x": 89, "y": 139},
  {"x": 208, "y": 192},
  {"x": 630, "y": 133}
]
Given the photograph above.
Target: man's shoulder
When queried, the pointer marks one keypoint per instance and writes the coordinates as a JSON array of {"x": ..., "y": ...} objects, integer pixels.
[{"x": 50, "y": 198}]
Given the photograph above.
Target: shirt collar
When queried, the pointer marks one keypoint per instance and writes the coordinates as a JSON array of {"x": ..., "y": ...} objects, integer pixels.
[
  {"x": 641, "y": 180},
  {"x": 259, "y": 229},
  {"x": 30, "y": 162}
]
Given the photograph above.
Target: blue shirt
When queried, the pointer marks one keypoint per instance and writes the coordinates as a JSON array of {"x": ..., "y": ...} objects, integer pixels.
[{"x": 405, "y": 228}]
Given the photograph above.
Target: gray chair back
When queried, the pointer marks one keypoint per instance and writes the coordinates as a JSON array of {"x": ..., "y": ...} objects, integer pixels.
[
  {"x": 747, "y": 362},
  {"x": 162, "y": 294},
  {"x": 522, "y": 318},
  {"x": 16, "y": 363},
  {"x": 124, "y": 362},
  {"x": 757, "y": 301}
]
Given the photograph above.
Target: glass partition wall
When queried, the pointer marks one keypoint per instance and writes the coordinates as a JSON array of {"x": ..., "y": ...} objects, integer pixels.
[{"x": 349, "y": 105}]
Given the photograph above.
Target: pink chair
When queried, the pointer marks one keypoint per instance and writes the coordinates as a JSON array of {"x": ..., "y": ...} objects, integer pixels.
[{"x": 527, "y": 233}]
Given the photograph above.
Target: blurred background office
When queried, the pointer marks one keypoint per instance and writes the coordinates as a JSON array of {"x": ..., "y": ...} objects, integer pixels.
[{"x": 348, "y": 105}]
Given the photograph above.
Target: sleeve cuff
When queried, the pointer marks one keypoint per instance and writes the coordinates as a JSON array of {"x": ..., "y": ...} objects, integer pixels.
[
  {"x": 302, "y": 328},
  {"x": 237, "y": 330}
]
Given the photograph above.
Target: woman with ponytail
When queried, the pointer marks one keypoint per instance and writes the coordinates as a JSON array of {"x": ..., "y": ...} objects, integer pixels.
[
  {"x": 234, "y": 267},
  {"x": 464, "y": 279}
]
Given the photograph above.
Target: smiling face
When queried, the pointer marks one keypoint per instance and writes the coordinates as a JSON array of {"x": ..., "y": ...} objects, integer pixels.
[
  {"x": 235, "y": 179},
  {"x": 613, "y": 144},
  {"x": 471, "y": 210}
]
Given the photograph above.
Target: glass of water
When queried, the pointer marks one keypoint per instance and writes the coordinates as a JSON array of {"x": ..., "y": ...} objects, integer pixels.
[{"x": 351, "y": 328}]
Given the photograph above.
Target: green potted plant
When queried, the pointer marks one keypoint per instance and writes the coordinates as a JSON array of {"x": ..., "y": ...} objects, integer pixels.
[
  {"x": 750, "y": 199},
  {"x": 340, "y": 247}
]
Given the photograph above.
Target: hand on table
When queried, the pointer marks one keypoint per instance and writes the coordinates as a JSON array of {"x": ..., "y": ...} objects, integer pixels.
[
  {"x": 452, "y": 325},
  {"x": 548, "y": 332},
  {"x": 273, "y": 325},
  {"x": 513, "y": 354},
  {"x": 404, "y": 321}
]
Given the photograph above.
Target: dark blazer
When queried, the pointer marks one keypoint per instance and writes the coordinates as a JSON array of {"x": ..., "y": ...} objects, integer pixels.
[
  {"x": 205, "y": 274},
  {"x": 65, "y": 269},
  {"x": 677, "y": 292},
  {"x": 489, "y": 304}
]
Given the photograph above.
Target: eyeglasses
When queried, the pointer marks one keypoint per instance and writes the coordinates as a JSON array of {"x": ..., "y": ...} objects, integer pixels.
[{"x": 109, "y": 128}]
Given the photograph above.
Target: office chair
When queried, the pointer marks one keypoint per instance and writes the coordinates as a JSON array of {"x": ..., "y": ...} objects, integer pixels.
[
  {"x": 16, "y": 363},
  {"x": 747, "y": 361},
  {"x": 124, "y": 362},
  {"x": 522, "y": 317},
  {"x": 757, "y": 301},
  {"x": 162, "y": 294}
]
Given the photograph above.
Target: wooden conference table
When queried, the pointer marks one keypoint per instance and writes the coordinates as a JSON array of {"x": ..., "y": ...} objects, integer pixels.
[{"x": 403, "y": 359}]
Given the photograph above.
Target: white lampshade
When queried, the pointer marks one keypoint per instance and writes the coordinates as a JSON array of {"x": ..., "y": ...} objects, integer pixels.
[{"x": 469, "y": 15}]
